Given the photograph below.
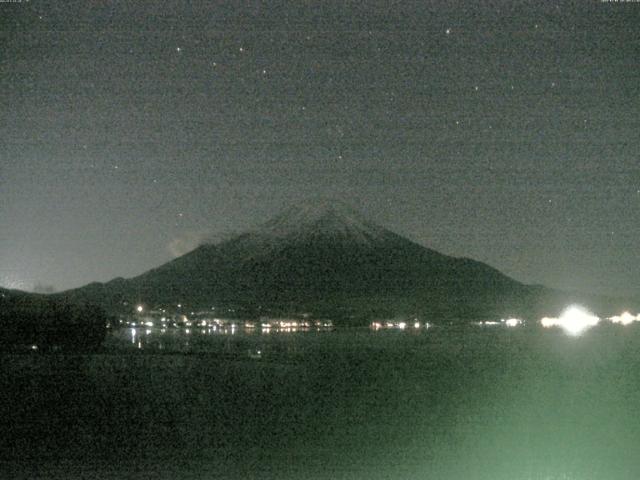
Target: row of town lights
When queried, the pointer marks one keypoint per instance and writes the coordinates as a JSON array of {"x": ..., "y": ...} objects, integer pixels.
[{"x": 574, "y": 320}]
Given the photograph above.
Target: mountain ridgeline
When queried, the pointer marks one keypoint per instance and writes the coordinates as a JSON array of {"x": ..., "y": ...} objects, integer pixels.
[{"x": 327, "y": 260}]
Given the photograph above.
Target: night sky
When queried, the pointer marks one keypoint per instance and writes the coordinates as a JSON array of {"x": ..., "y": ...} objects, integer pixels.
[{"x": 507, "y": 132}]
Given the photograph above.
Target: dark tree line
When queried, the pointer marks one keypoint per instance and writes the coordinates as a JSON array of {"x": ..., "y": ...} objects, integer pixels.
[{"x": 50, "y": 325}]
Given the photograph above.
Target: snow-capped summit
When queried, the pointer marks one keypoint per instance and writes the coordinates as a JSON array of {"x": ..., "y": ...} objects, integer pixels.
[{"x": 327, "y": 218}]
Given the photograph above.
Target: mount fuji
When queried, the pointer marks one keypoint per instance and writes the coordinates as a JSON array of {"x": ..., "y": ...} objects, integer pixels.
[{"x": 327, "y": 259}]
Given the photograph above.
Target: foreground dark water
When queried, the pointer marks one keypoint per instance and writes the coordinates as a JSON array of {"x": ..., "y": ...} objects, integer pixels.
[{"x": 472, "y": 403}]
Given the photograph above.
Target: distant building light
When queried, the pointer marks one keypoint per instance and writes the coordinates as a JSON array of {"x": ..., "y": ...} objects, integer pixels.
[
  {"x": 512, "y": 322},
  {"x": 574, "y": 320},
  {"x": 625, "y": 319}
]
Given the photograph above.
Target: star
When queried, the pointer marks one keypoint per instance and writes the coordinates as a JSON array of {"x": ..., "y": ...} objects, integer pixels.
[
  {"x": 178, "y": 49},
  {"x": 447, "y": 31}
]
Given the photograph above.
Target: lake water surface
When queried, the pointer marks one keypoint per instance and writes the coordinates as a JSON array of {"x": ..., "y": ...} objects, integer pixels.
[{"x": 438, "y": 403}]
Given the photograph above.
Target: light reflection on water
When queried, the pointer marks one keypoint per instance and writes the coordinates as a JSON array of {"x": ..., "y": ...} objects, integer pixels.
[
  {"x": 450, "y": 404},
  {"x": 483, "y": 403},
  {"x": 231, "y": 340}
]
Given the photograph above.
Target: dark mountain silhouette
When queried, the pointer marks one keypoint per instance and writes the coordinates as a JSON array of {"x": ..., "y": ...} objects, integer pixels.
[{"x": 325, "y": 258}]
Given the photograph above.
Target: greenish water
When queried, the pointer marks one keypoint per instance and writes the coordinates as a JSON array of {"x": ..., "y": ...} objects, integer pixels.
[{"x": 472, "y": 403}]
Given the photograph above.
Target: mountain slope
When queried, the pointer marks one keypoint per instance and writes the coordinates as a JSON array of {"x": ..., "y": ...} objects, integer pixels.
[{"x": 325, "y": 258}]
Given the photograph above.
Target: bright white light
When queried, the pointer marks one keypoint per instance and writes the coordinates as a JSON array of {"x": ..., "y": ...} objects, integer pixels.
[
  {"x": 402, "y": 325},
  {"x": 416, "y": 325},
  {"x": 548, "y": 322},
  {"x": 574, "y": 320},
  {"x": 513, "y": 322},
  {"x": 625, "y": 319},
  {"x": 139, "y": 308}
]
